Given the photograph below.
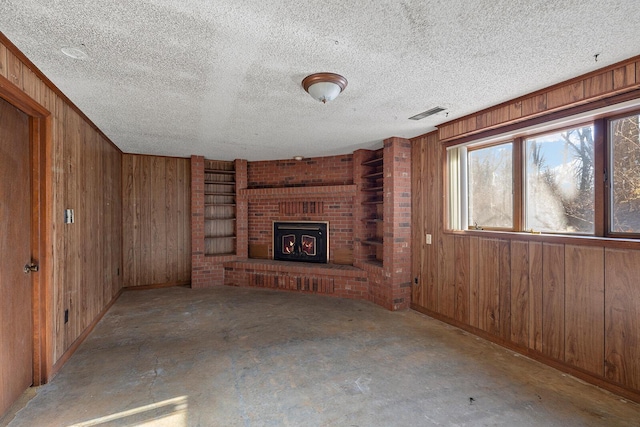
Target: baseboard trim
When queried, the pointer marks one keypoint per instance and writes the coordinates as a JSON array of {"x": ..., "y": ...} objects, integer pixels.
[
  {"x": 588, "y": 377},
  {"x": 156, "y": 286},
  {"x": 74, "y": 346}
]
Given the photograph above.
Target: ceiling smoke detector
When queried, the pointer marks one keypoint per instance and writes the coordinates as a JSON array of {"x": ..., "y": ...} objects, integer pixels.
[{"x": 431, "y": 112}]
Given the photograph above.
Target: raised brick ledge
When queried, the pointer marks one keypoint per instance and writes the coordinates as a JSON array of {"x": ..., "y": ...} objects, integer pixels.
[
  {"x": 296, "y": 267},
  {"x": 317, "y": 191}
]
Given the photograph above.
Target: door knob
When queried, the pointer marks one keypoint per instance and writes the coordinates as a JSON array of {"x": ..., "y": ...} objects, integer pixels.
[{"x": 30, "y": 268}]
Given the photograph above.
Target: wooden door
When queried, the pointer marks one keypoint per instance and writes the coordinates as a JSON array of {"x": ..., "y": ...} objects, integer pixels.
[{"x": 16, "y": 343}]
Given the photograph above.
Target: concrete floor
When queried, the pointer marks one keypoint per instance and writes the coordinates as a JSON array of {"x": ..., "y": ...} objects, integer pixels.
[{"x": 250, "y": 357}]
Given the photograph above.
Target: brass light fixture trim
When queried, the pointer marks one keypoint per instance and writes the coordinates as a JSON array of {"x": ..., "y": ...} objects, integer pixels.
[{"x": 327, "y": 83}]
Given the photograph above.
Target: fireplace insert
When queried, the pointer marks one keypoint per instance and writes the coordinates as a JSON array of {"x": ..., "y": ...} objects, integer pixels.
[{"x": 301, "y": 241}]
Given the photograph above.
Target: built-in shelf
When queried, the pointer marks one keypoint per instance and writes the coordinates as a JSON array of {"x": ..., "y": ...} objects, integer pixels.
[
  {"x": 219, "y": 204},
  {"x": 372, "y": 200}
]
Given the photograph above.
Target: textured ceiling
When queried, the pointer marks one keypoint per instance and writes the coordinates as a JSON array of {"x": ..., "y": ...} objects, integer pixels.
[{"x": 222, "y": 78}]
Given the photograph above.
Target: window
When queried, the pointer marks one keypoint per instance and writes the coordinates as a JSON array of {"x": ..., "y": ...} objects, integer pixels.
[
  {"x": 559, "y": 184},
  {"x": 624, "y": 174},
  {"x": 540, "y": 183},
  {"x": 490, "y": 181}
]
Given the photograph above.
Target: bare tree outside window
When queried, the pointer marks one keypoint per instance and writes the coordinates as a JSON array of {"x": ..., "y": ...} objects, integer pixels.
[
  {"x": 560, "y": 194},
  {"x": 625, "y": 171},
  {"x": 491, "y": 186}
]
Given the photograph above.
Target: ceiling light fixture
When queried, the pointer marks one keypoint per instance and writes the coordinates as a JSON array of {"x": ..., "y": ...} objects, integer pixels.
[{"x": 324, "y": 86}]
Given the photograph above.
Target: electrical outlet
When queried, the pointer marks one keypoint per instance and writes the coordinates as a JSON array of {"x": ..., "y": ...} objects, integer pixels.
[
  {"x": 427, "y": 238},
  {"x": 66, "y": 316}
]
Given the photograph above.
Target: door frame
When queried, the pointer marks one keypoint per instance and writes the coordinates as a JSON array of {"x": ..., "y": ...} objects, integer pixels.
[{"x": 40, "y": 123}]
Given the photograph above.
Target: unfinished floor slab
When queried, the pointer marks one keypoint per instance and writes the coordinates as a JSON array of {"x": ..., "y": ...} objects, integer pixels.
[{"x": 249, "y": 357}]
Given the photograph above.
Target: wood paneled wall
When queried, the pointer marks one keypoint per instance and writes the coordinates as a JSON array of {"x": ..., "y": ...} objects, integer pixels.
[
  {"x": 573, "y": 303},
  {"x": 84, "y": 174},
  {"x": 156, "y": 220}
]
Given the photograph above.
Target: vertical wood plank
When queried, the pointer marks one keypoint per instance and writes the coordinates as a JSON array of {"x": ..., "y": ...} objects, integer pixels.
[
  {"x": 536, "y": 285},
  {"x": 144, "y": 262},
  {"x": 534, "y": 105},
  {"x": 565, "y": 95},
  {"x": 622, "y": 317},
  {"x": 447, "y": 276},
  {"x": 489, "y": 286},
  {"x": 584, "y": 308},
  {"x": 598, "y": 85},
  {"x": 14, "y": 69},
  {"x": 474, "y": 294},
  {"x": 520, "y": 300},
  {"x": 433, "y": 224},
  {"x": 3, "y": 60},
  {"x": 158, "y": 221},
  {"x": 624, "y": 76},
  {"x": 461, "y": 265},
  {"x": 171, "y": 226},
  {"x": 553, "y": 300},
  {"x": 504, "y": 307},
  {"x": 417, "y": 221},
  {"x": 128, "y": 221}
]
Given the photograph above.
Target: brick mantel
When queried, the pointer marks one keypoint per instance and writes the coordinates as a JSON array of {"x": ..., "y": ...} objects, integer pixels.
[{"x": 311, "y": 191}]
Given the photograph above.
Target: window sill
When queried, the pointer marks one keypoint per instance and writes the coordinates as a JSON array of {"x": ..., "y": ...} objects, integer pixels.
[{"x": 606, "y": 242}]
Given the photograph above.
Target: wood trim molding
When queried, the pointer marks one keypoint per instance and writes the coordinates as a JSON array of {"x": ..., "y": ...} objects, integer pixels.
[{"x": 535, "y": 355}]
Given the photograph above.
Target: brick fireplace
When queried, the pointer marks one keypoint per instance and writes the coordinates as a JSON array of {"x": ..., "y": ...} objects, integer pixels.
[{"x": 324, "y": 190}]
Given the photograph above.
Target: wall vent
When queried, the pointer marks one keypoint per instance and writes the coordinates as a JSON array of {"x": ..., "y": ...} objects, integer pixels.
[{"x": 431, "y": 112}]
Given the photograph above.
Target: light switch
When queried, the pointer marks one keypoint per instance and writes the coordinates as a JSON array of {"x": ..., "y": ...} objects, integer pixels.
[
  {"x": 428, "y": 238},
  {"x": 68, "y": 216}
]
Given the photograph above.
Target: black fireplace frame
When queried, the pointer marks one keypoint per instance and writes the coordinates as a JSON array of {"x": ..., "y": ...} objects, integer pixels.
[{"x": 300, "y": 229}]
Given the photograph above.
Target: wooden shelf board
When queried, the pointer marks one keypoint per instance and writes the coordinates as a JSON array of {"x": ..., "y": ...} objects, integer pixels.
[
  {"x": 372, "y": 161},
  {"x": 372, "y": 220},
  {"x": 219, "y": 183},
  {"x": 373, "y": 202},
  {"x": 219, "y": 219},
  {"x": 374, "y": 175},
  {"x": 219, "y": 237},
  {"x": 372, "y": 242},
  {"x": 375, "y": 262},
  {"x": 219, "y": 194},
  {"x": 219, "y": 172},
  {"x": 373, "y": 189},
  {"x": 219, "y": 204}
]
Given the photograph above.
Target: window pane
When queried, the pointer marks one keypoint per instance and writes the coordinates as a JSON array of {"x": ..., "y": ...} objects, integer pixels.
[
  {"x": 490, "y": 186},
  {"x": 560, "y": 182},
  {"x": 625, "y": 171}
]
